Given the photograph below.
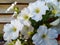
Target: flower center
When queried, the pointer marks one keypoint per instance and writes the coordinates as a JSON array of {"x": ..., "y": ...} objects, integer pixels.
[
  {"x": 26, "y": 27},
  {"x": 54, "y": 11},
  {"x": 37, "y": 10},
  {"x": 44, "y": 36},
  {"x": 14, "y": 29},
  {"x": 30, "y": 33},
  {"x": 26, "y": 17}
]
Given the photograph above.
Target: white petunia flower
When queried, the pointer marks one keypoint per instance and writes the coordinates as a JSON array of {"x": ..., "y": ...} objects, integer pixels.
[
  {"x": 11, "y": 7},
  {"x": 17, "y": 24},
  {"x": 45, "y": 36},
  {"x": 26, "y": 31},
  {"x": 57, "y": 8},
  {"x": 18, "y": 42},
  {"x": 24, "y": 17},
  {"x": 37, "y": 9},
  {"x": 55, "y": 5},
  {"x": 12, "y": 30}
]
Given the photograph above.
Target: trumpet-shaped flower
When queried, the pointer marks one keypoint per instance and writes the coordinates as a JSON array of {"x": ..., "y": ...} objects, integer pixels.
[
  {"x": 45, "y": 36},
  {"x": 26, "y": 31},
  {"x": 56, "y": 10},
  {"x": 12, "y": 30},
  {"x": 24, "y": 16},
  {"x": 37, "y": 9}
]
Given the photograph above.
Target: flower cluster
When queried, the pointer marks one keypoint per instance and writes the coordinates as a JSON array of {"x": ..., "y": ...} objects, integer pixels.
[{"x": 33, "y": 24}]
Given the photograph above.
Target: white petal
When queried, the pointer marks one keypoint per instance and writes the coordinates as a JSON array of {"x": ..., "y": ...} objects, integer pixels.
[
  {"x": 18, "y": 42},
  {"x": 43, "y": 43},
  {"x": 42, "y": 30},
  {"x": 57, "y": 28},
  {"x": 50, "y": 1},
  {"x": 51, "y": 42},
  {"x": 56, "y": 22},
  {"x": 39, "y": 5},
  {"x": 7, "y": 28},
  {"x": 17, "y": 24},
  {"x": 27, "y": 23},
  {"x": 7, "y": 36},
  {"x": 52, "y": 33},
  {"x": 36, "y": 39},
  {"x": 14, "y": 35},
  {"x": 37, "y": 18}
]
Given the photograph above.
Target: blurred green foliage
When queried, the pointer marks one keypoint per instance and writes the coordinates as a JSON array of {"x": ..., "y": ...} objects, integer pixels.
[{"x": 1, "y": 36}]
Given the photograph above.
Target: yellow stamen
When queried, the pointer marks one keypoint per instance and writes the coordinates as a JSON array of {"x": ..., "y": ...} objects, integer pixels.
[
  {"x": 29, "y": 33},
  {"x": 43, "y": 36},
  {"x": 37, "y": 10},
  {"x": 54, "y": 11},
  {"x": 14, "y": 29},
  {"x": 26, "y": 17}
]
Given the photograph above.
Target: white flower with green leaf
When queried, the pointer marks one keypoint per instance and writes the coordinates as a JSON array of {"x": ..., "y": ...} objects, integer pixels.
[
  {"x": 37, "y": 9},
  {"x": 24, "y": 16},
  {"x": 12, "y": 30},
  {"x": 45, "y": 36},
  {"x": 27, "y": 31},
  {"x": 54, "y": 6},
  {"x": 57, "y": 10},
  {"x": 17, "y": 24}
]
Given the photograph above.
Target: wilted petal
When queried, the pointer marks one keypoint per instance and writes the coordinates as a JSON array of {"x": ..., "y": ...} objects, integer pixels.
[{"x": 56, "y": 22}]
